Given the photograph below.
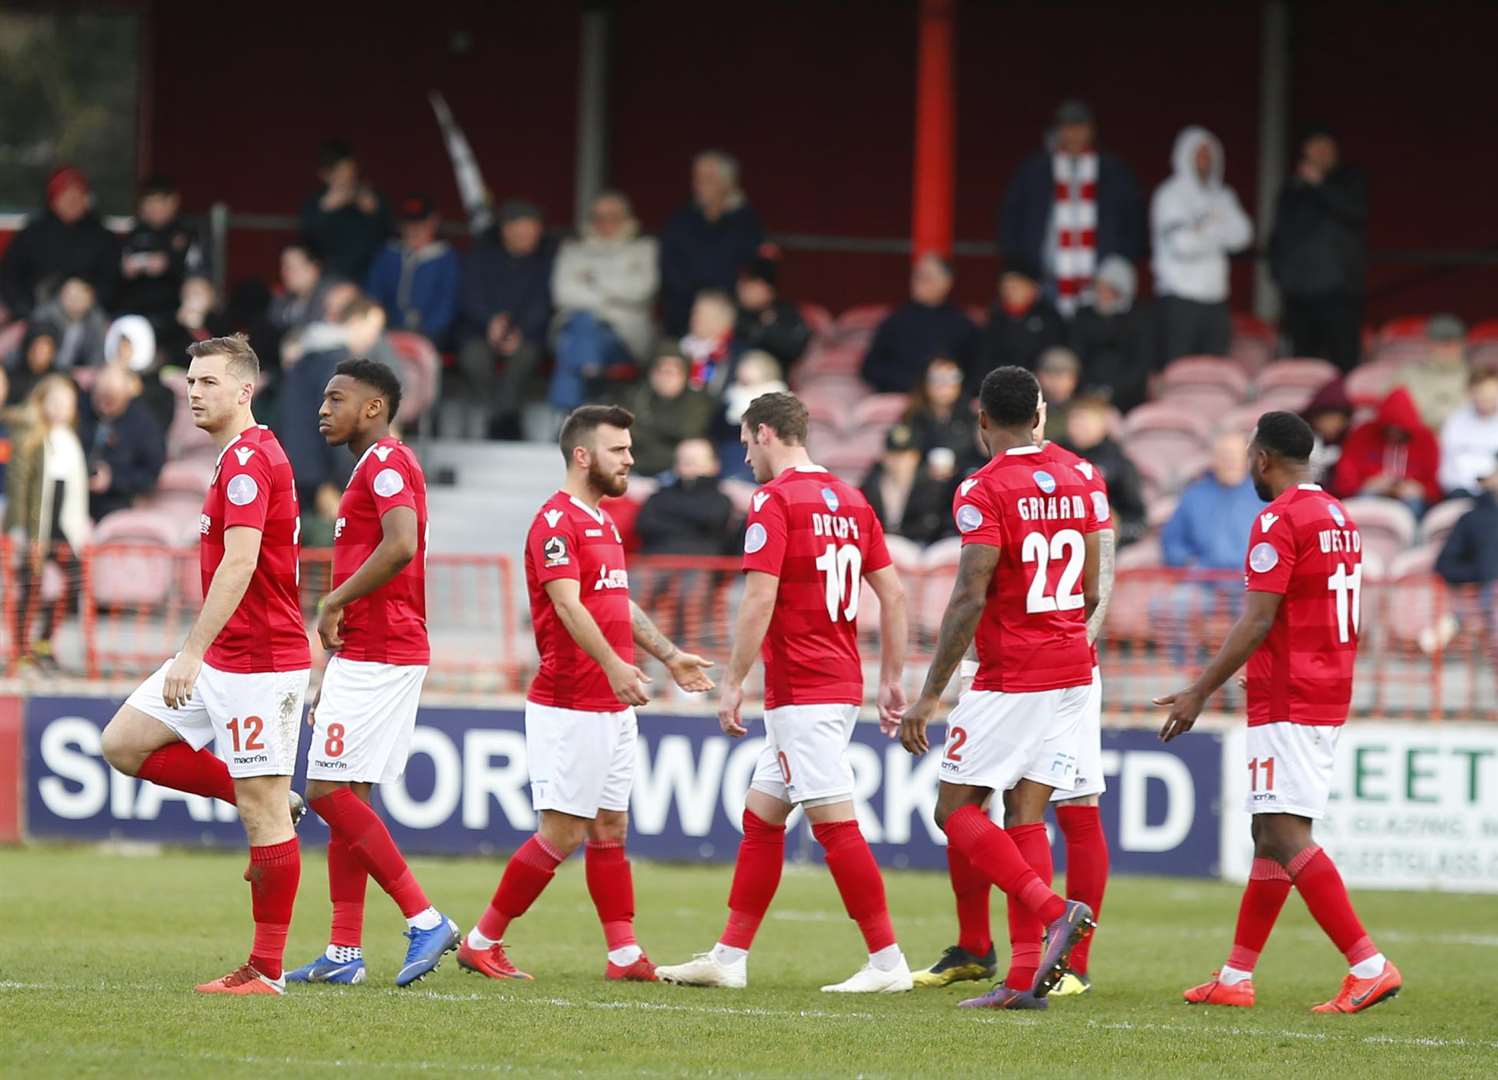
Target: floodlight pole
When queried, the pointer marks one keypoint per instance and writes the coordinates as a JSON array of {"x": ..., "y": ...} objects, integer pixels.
[
  {"x": 1274, "y": 128},
  {"x": 592, "y": 108},
  {"x": 935, "y": 130}
]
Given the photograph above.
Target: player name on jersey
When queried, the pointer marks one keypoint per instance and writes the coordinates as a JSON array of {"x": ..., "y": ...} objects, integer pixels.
[
  {"x": 1052, "y": 508},
  {"x": 1340, "y": 540}
]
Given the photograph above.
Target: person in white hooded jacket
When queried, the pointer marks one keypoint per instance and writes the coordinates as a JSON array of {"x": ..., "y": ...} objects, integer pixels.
[{"x": 1196, "y": 222}]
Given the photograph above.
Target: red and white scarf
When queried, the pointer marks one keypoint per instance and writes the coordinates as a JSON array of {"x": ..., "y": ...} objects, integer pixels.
[{"x": 1075, "y": 224}]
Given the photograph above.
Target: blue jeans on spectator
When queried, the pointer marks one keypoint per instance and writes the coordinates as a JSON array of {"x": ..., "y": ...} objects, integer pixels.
[{"x": 586, "y": 346}]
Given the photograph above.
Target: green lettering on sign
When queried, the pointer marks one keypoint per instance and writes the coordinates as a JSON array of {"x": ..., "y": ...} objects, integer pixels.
[
  {"x": 1413, "y": 774},
  {"x": 1474, "y": 764},
  {"x": 1364, "y": 770}
]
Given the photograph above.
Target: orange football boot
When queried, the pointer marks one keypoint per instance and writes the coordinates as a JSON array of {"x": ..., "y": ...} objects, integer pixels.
[
  {"x": 491, "y": 961},
  {"x": 1359, "y": 994},
  {"x": 245, "y": 980},
  {"x": 1214, "y": 992}
]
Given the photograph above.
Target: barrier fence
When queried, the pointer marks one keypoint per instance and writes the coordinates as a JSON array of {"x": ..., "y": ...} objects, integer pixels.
[{"x": 1427, "y": 650}]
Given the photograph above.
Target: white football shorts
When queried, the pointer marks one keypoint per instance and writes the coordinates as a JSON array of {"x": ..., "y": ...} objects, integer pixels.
[
  {"x": 805, "y": 758},
  {"x": 1089, "y": 747},
  {"x": 580, "y": 762},
  {"x": 996, "y": 739},
  {"x": 1290, "y": 768},
  {"x": 255, "y": 717},
  {"x": 363, "y": 722}
]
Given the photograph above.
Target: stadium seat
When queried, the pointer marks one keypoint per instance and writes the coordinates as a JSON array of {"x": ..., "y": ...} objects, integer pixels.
[
  {"x": 1205, "y": 371},
  {"x": 1305, "y": 372},
  {"x": 1162, "y": 416},
  {"x": 1142, "y": 554},
  {"x": 134, "y": 578},
  {"x": 1415, "y": 602},
  {"x": 1388, "y": 527},
  {"x": 1284, "y": 398},
  {"x": 1404, "y": 328},
  {"x": 906, "y": 555},
  {"x": 1440, "y": 519},
  {"x": 1159, "y": 510},
  {"x": 739, "y": 492},
  {"x": 420, "y": 374},
  {"x": 1208, "y": 401},
  {"x": 1483, "y": 332},
  {"x": 1243, "y": 419},
  {"x": 186, "y": 476},
  {"x": 849, "y": 454},
  {"x": 865, "y": 317},
  {"x": 824, "y": 359},
  {"x": 817, "y": 318},
  {"x": 939, "y": 572},
  {"x": 1254, "y": 344},
  {"x": 1129, "y": 605},
  {"x": 879, "y": 410},
  {"x": 826, "y": 403},
  {"x": 1368, "y": 384}
]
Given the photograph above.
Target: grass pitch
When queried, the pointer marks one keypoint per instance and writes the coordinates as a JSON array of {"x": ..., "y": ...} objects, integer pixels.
[{"x": 99, "y": 952}]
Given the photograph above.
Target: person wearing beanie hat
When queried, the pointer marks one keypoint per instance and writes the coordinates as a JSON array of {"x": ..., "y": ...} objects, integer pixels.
[
  {"x": 766, "y": 321},
  {"x": 904, "y": 497},
  {"x": 65, "y": 240},
  {"x": 1113, "y": 337}
]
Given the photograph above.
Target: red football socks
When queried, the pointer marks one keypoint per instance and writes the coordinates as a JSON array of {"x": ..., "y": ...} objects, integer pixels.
[
  {"x": 1025, "y": 928},
  {"x": 612, "y": 887},
  {"x": 1321, "y": 887},
  {"x": 992, "y": 853},
  {"x": 347, "y": 881},
  {"x": 1086, "y": 868},
  {"x": 972, "y": 889},
  {"x": 181, "y": 768},
  {"x": 756, "y": 876},
  {"x": 858, "y": 880},
  {"x": 528, "y": 872},
  {"x": 1263, "y": 897},
  {"x": 354, "y": 820},
  {"x": 273, "y": 874}
]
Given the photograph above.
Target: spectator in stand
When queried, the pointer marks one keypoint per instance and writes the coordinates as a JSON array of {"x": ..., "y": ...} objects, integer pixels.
[
  {"x": 756, "y": 373},
  {"x": 1022, "y": 324},
  {"x": 345, "y": 220},
  {"x": 667, "y": 411},
  {"x": 81, "y": 325},
  {"x": 66, "y": 240},
  {"x": 417, "y": 277},
  {"x": 1438, "y": 380},
  {"x": 603, "y": 285},
  {"x": 709, "y": 346},
  {"x": 706, "y": 241},
  {"x": 940, "y": 415},
  {"x": 689, "y": 514},
  {"x": 1058, "y": 372},
  {"x": 304, "y": 289},
  {"x": 1113, "y": 338},
  {"x": 159, "y": 252},
  {"x": 1215, "y": 513},
  {"x": 765, "y": 320},
  {"x": 1470, "y": 554},
  {"x": 1196, "y": 223},
  {"x": 124, "y": 443},
  {"x": 1469, "y": 438},
  {"x": 47, "y": 506},
  {"x": 1330, "y": 417},
  {"x": 905, "y": 498},
  {"x": 506, "y": 308},
  {"x": 131, "y": 344},
  {"x": 1087, "y": 435},
  {"x": 1069, "y": 206},
  {"x": 1318, "y": 252},
  {"x": 196, "y": 318},
  {"x": 1393, "y": 455},
  {"x": 926, "y": 325},
  {"x": 38, "y": 359}
]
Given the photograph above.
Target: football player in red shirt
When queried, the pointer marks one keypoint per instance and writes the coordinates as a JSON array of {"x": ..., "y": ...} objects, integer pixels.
[
  {"x": 1299, "y": 636},
  {"x": 811, "y": 543},
  {"x": 373, "y": 623},
  {"x": 1026, "y": 584},
  {"x": 242, "y": 672},
  {"x": 579, "y": 712}
]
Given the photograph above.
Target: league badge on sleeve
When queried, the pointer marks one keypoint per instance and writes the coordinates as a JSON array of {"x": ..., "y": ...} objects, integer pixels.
[
  {"x": 243, "y": 490},
  {"x": 1263, "y": 558},
  {"x": 755, "y": 538},
  {"x": 969, "y": 517},
  {"x": 555, "y": 550},
  {"x": 388, "y": 482}
]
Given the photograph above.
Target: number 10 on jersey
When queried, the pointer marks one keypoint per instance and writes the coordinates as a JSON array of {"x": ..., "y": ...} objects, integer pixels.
[{"x": 842, "y": 573}]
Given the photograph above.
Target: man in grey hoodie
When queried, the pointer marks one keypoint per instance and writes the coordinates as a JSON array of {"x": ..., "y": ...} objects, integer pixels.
[{"x": 1196, "y": 222}]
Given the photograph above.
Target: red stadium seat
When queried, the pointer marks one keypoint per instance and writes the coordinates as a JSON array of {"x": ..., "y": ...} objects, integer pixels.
[
  {"x": 1485, "y": 331},
  {"x": 1213, "y": 372},
  {"x": 1162, "y": 416},
  {"x": 186, "y": 476},
  {"x": 135, "y": 579},
  {"x": 817, "y": 318},
  {"x": 1387, "y": 526},
  {"x": 842, "y": 359},
  {"x": 865, "y": 317},
  {"x": 1304, "y": 372},
  {"x": 1143, "y": 554},
  {"x": 419, "y": 379},
  {"x": 906, "y": 555},
  {"x": 1441, "y": 519},
  {"x": 1284, "y": 398},
  {"x": 1370, "y": 383},
  {"x": 1243, "y": 419},
  {"x": 1212, "y": 402},
  {"x": 1404, "y": 328},
  {"x": 879, "y": 410}
]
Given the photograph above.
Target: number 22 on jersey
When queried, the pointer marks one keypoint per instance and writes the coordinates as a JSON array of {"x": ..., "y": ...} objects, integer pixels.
[
  {"x": 842, "y": 573},
  {"x": 1039, "y": 549}
]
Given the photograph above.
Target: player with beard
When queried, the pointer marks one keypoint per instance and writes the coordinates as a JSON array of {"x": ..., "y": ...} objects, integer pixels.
[{"x": 579, "y": 713}]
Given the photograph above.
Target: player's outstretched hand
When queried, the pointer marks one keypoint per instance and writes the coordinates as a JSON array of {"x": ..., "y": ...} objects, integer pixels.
[
  {"x": 1185, "y": 706},
  {"x": 891, "y": 707},
  {"x": 330, "y": 627},
  {"x": 730, "y": 702},
  {"x": 913, "y": 726},
  {"x": 181, "y": 677},
  {"x": 628, "y": 684},
  {"x": 690, "y": 672}
]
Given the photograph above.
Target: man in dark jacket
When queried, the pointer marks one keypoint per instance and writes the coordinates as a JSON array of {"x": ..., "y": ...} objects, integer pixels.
[
  {"x": 765, "y": 321},
  {"x": 1102, "y": 213},
  {"x": 1113, "y": 338},
  {"x": 1318, "y": 252},
  {"x": 1470, "y": 554},
  {"x": 667, "y": 412},
  {"x": 690, "y": 514},
  {"x": 705, "y": 242},
  {"x": 1022, "y": 324},
  {"x": 926, "y": 325},
  {"x": 345, "y": 220},
  {"x": 158, "y": 254},
  {"x": 65, "y": 240},
  {"x": 1087, "y": 436},
  {"x": 417, "y": 278},
  {"x": 124, "y": 443},
  {"x": 506, "y": 310}
]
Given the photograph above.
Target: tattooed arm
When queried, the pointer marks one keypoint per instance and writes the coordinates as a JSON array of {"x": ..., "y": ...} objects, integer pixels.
[
  {"x": 1107, "y": 544},
  {"x": 690, "y": 672}
]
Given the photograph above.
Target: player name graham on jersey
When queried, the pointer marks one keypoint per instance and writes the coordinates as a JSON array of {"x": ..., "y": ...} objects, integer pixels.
[
  {"x": 1340, "y": 540},
  {"x": 1050, "y": 508}
]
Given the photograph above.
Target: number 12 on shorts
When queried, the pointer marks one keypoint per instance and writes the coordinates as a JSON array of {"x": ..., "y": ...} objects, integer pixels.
[
  {"x": 253, "y": 726},
  {"x": 1255, "y": 766}
]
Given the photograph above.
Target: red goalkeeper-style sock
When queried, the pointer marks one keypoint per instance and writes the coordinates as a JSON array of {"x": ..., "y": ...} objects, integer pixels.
[
  {"x": 1025, "y": 927},
  {"x": 972, "y": 890},
  {"x": 273, "y": 874},
  {"x": 347, "y": 881},
  {"x": 612, "y": 887},
  {"x": 756, "y": 876},
  {"x": 1086, "y": 868},
  {"x": 1321, "y": 887},
  {"x": 1263, "y": 897},
  {"x": 368, "y": 839},
  {"x": 181, "y": 768},
  {"x": 992, "y": 853},
  {"x": 858, "y": 880},
  {"x": 526, "y": 875}
]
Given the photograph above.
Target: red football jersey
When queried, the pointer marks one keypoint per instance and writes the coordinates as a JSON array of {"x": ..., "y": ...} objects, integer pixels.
[
  {"x": 1035, "y": 510},
  {"x": 1305, "y": 547},
  {"x": 1097, "y": 491},
  {"x": 819, "y": 536},
  {"x": 569, "y": 539},
  {"x": 252, "y": 486},
  {"x": 388, "y": 626}
]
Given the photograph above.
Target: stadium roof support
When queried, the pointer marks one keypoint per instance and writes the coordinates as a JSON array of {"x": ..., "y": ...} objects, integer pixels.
[{"x": 932, "y": 207}]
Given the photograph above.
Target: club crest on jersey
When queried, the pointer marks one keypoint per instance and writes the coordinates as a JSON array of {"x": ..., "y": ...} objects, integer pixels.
[
  {"x": 1263, "y": 558},
  {"x": 244, "y": 453},
  {"x": 1336, "y": 512},
  {"x": 1045, "y": 481},
  {"x": 830, "y": 498},
  {"x": 552, "y": 517},
  {"x": 611, "y": 579}
]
